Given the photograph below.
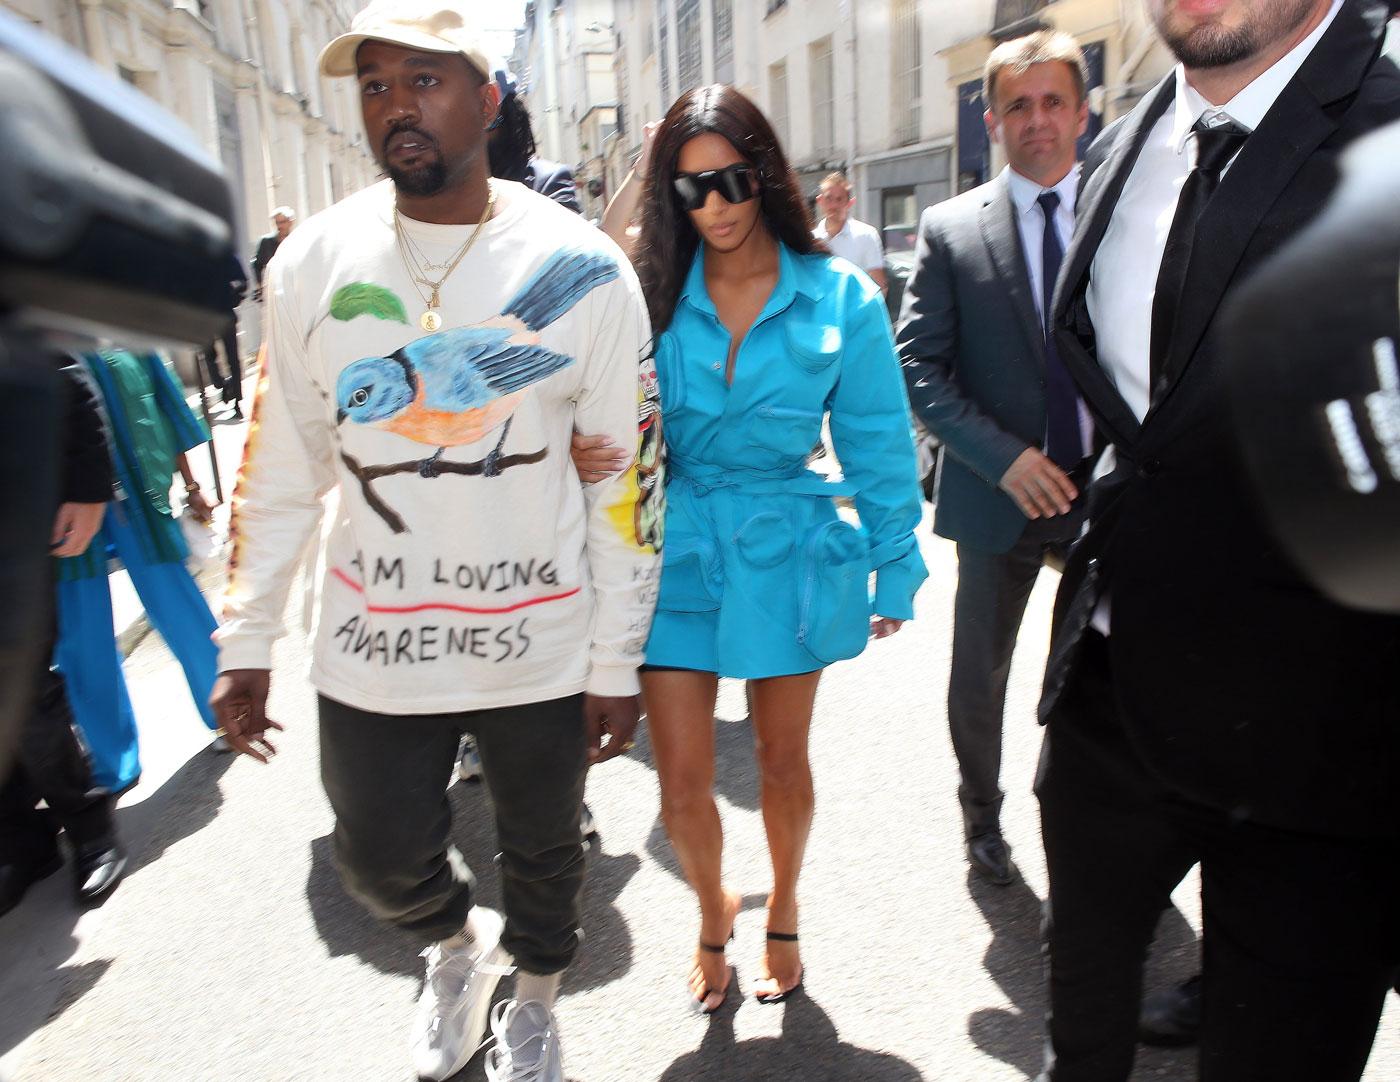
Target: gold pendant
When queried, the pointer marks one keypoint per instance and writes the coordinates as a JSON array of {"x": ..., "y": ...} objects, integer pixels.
[{"x": 430, "y": 321}]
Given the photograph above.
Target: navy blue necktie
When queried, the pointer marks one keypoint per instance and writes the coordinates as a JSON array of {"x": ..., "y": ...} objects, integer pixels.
[{"x": 1063, "y": 442}]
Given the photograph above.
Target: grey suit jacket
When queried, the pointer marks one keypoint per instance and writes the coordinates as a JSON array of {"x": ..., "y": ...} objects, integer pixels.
[{"x": 974, "y": 359}]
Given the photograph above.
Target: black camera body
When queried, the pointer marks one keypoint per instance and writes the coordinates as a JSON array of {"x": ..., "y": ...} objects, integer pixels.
[{"x": 116, "y": 224}]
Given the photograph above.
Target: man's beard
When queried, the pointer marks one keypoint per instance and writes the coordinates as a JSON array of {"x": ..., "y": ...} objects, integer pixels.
[
  {"x": 423, "y": 181},
  {"x": 1213, "y": 46}
]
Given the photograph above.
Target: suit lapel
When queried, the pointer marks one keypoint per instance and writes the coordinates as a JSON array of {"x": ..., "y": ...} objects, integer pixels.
[
  {"x": 1291, "y": 131},
  {"x": 1094, "y": 209},
  {"x": 1003, "y": 240}
]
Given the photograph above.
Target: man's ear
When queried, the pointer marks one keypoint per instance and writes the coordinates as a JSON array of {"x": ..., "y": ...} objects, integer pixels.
[
  {"x": 490, "y": 101},
  {"x": 993, "y": 127}
]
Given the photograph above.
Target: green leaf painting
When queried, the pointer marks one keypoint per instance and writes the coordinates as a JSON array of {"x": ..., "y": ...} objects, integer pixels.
[{"x": 367, "y": 299}]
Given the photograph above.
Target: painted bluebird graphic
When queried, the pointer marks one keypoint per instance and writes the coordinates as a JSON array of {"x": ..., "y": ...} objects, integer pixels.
[{"x": 459, "y": 385}]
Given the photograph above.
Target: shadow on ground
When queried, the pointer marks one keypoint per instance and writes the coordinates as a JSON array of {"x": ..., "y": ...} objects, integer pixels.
[
  {"x": 808, "y": 1049},
  {"x": 346, "y": 928},
  {"x": 38, "y": 937},
  {"x": 1016, "y": 1035}
]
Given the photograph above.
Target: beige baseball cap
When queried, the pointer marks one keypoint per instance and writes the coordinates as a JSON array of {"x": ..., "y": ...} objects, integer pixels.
[{"x": 429, "y": 25}]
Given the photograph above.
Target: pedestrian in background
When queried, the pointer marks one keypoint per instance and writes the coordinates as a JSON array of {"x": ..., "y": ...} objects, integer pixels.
[
  {"x": 283, "y": 220},
  {"x": 50, "y": 764},
  {"x": 760, "y": 335},
  {"x": 843, "y": 233},
  {"x": 151, "y": 427},
  {"x": 1203, "y": 702},
  {"x": 512, "y": 149},
  {"x": 985, "y": 378}
]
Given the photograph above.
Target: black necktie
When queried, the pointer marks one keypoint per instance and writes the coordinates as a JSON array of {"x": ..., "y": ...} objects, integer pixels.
[
  {"x": 1217, "y": 141},
  {"x": 1063, "y": 442}
]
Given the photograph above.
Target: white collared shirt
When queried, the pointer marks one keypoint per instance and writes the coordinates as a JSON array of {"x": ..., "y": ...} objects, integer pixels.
[
  {"x": 855, "y": 241},
  {"x": 1123, "y": 275},
  {"x": 1030, "y": 223}
]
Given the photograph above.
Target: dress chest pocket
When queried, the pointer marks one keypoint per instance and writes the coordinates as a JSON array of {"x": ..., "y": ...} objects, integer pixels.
[
  {"x": 834, "y": 613},
  {"x": 813, "y": 346}
]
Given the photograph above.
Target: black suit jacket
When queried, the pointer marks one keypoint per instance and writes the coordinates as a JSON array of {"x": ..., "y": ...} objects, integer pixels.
[
  {"x": 555, "y": 180},
  {"x": 1238, "y": 683},
  {"x": 974, "y": 359}
]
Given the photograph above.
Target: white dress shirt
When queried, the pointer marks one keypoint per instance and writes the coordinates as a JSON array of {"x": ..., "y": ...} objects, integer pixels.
[
  {"x": 1030, "y": 222},
  {"x": 857, "y": 242},
  {"x": 1123, "y": 275}
]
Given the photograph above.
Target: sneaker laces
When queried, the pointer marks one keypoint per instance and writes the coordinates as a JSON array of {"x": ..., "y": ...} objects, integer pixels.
[
  {"x": 503, "y": 1059},
  {"x": 450, "y": 970}
]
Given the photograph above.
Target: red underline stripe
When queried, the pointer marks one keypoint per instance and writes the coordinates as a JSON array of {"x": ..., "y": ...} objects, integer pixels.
[{"x": 404, "y": 609}]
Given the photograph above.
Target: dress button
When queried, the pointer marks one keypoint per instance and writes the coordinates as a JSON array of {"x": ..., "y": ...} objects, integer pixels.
[{"x": 717, "y": 366}]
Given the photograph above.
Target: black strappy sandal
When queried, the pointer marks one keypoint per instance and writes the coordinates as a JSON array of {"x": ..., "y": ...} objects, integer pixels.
[
  {"x": 778, "y": 997},
  {"x": 707, "y": 992}
]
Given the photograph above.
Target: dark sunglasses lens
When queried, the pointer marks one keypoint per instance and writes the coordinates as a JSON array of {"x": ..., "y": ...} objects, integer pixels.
[
  {"x": 691, "y": 193},
  {"x": 735, "y": 183}
]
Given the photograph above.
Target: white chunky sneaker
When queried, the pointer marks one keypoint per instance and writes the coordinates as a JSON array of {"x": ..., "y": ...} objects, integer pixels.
[
  {"x": 468, "y": 761},
  {"x": 456, "y": 1001},
  {"x": 526, "y": 1044}
]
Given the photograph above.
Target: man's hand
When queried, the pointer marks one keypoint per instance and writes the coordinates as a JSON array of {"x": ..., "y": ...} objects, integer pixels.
[
  {"x": 613, "y": 716},
  {"x": 199, "y": 503},
  {"x": 74, "y": 527},
  {"x": 596, "y": 457},
  {"x": 240, "y": 706},
  {"x": 1040, "y": 488}
]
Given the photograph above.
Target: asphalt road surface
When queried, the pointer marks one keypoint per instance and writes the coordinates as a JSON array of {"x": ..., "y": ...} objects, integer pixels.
[{"x": 232, "y": 953}]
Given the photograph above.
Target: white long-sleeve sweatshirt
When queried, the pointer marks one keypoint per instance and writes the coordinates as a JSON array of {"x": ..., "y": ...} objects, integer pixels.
[{"x": 466, "y": 567}]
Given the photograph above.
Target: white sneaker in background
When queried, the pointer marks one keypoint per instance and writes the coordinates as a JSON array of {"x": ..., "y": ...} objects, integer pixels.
[
  {"x": 456, "y": 1001},
  {"x": 526, "y": 1044}
]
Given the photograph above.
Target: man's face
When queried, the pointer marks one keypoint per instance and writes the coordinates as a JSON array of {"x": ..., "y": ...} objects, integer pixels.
[
  {"x": 1220, "y": 33},
  {"x": 282, "y": 224},
  {"x": 834, "y": 201},
  {"x": 425, "y": 114},
  {"x": 1038, "y": 116}
]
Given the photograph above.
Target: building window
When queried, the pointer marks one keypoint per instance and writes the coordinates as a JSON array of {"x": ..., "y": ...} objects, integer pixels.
[
  {"x": 623, "y": 88},
  {"x": 663, "y": 48},
  {"x": 899, "y": 218},
  {"x": 821, "y": 69},
  {"x": 974, "y": 149},
  {"x": 778, "y": 100},
  {"x": 904, "y": 67},
  {"x": 687, "y": 44},
  {"x": 723, "y": 11}
]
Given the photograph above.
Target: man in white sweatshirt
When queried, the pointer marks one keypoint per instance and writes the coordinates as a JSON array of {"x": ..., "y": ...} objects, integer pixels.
[{"x": 433, "y": 341}]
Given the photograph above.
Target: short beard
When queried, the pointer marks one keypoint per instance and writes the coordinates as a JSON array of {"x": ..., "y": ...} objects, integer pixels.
[
  {"x": 419, "y": 183},
  {"x": 1209, "y": 46}
]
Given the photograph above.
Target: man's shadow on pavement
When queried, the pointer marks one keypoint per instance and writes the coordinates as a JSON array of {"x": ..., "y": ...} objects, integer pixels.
[
  {"x": 1014, "y": 959},
  {"x": 347, "y": 928},
  {"x": 809, "y": 1049},
  {"x": 36, "y": 940}
]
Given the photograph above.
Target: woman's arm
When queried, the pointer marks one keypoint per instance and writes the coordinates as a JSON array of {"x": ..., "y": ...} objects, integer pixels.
[{"x": 622, "y": 209}]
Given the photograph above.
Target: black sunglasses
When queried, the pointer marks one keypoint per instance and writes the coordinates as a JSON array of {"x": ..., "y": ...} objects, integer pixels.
[{"x": 735, "y": 184}]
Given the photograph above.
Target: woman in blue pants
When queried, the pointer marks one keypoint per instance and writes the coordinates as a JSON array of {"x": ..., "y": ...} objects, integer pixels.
[{"x": 151, "y": 428}]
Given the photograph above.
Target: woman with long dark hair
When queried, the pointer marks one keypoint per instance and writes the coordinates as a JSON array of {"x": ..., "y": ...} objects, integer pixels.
[{"x": 760, "y": 336}]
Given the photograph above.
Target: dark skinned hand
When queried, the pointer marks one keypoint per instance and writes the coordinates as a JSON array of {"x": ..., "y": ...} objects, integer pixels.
[
  {"x": 240, "y": 707},
  {"x": 613, "y": 717}
]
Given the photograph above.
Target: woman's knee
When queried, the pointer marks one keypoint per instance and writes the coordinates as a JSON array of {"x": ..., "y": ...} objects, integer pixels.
[
  {"x": 687, "y": 796},
  {"x": 784, "y": 766}
]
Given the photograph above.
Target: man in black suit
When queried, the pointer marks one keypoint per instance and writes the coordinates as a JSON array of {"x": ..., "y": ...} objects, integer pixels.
[
  {"x": 1204, "y": 703},
  {"x": 283, "y": 219},
  {"x": 986, "y": 380}
]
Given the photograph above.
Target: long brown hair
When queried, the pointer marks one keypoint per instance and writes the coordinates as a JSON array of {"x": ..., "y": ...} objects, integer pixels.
[{"x": 668, "y": 241}]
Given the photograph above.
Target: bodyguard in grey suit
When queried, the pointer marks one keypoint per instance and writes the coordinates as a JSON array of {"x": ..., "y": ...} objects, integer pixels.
[{"x": 986, "y": 380}]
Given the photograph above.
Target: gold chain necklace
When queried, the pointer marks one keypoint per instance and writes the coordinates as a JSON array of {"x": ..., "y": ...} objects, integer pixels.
[{"x": 430, "y": 320}]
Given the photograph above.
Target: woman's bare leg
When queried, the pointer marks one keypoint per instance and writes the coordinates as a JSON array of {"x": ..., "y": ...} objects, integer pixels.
[
  {"x": 782, "y": 717},
  {"x": 681, "y": 721}
]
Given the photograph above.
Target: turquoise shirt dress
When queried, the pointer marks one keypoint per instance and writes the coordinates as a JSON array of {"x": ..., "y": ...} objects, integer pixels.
[{"x": 760, "y": 575}]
